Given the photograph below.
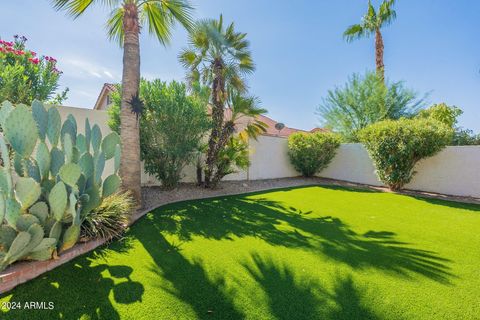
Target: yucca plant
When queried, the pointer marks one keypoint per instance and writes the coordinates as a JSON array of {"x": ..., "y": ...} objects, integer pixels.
[{"x": 110, "y": 219}]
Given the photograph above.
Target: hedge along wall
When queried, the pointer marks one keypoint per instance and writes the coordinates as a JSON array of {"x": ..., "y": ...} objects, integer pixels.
[{"x": 454, "y": 171}]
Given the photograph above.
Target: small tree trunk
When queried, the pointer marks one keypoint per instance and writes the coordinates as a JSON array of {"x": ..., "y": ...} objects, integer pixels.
[
  {"x": 379, "y": 55},
  {"x": 199, "y": 171},
  {"x": 218, "y": 101},
  {"x": 129, "y": 127}
]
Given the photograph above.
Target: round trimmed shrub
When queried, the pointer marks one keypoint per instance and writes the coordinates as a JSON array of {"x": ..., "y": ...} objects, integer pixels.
[
  {"x": 312, "y": 152},
  {"x": 396, "y": 146}
]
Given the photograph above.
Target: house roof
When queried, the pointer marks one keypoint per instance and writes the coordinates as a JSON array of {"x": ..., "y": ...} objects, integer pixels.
[
  {"x": 106, "y": 90},
  {"x": 243, "y": 121}
]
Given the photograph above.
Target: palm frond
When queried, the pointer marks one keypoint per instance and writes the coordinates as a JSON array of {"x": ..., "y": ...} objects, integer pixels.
[
  {"x": 114, "y": 25},
  {"x": 76, "y": 8},
  {"x": 354, "y": 32},
  {"x": 386, "y": 13}
]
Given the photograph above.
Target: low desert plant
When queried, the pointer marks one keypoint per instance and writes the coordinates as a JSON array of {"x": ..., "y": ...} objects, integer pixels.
[
  {"x": 110, "y": 219},
  {"x": 312, "y": 152},
  {"x": 396, "y": 146}
]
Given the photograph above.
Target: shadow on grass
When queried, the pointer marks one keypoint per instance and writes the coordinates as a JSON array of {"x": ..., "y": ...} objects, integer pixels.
[
  {"x": 290, "y": 297},
  {"x": 78, "y": 290},
  {"x": 186, "y": 280},
  {"x": 271, "y": 221}
]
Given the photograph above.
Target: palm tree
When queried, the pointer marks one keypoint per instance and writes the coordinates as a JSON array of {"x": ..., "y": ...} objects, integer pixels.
[
  {"x": 124, "y": 24},
  {"x": 372, "y": 23},
  {"x": 219, "y": 57}
]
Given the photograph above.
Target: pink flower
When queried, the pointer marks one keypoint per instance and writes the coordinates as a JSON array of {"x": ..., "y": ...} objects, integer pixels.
[
  {"x": 34, "y": 60},
  {"x": 33, "y": 53}
]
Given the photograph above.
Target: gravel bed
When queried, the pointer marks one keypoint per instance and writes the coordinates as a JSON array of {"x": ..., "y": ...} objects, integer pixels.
[{"x": 154, "y": 197}]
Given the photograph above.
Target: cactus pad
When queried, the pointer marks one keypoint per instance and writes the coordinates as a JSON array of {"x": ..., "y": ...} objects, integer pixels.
[
  {"x": 27, "y": 192},
  {"x": 96, "y": 138},
  {"x": 54, "y": 125},
  {"x": 40, "y": 115},
  {"x": 70, "y": 237},
  {"x": 5, "y": 110},
  {"x": 12, "y": 212},
  {"x": 109, "y": 145},
  {"x": 21, "y": 131},
  {"x": 57, "y": 159},
  {"x": 25, "y": 221},
  {"x": 43, "y": 160},
  {"x": 69, "y": 173},
  {"x": 58, "y": 200},
  {"x": 81, "y": 144},
  {"x": 110, "y": 185},
  {"x": 39, "y": 210}
]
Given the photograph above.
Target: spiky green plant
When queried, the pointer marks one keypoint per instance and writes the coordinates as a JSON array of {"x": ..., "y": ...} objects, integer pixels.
[
  {"x": 54, "y": 183},
  {"x": 110, "y": 219}
]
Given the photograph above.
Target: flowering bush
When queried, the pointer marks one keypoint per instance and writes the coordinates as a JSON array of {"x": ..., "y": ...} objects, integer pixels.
[{"x": 25, "y": 76}]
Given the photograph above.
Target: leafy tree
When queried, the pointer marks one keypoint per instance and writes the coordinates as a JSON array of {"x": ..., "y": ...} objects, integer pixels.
[
  {"x": 366, "y": 100},
  {"x": 219, "y": 58},
  {"x": 372, "y": 23},
  {"x": 172, "y": 126},
  {"x": 396, "y": 146},
  {"x": 25, "y": 76},
  {"x": 126, "y": 19}
]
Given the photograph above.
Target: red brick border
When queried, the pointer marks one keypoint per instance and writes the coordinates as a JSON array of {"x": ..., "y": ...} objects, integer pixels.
[{"x": 26, "y": 270}]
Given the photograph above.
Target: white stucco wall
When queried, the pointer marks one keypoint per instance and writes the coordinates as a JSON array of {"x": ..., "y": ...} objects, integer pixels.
[
  {"x": 269, "y": 159},
  {"x": 352, "y": 163},
  {"x": 454, "y": 171}
]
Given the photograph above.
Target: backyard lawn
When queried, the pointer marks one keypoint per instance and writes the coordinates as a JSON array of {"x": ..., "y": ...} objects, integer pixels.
[{"x": 301, "y": 253}]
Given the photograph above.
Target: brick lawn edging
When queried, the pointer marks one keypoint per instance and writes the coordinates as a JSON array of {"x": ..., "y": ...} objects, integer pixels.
[{"x": 24, "y": 271}]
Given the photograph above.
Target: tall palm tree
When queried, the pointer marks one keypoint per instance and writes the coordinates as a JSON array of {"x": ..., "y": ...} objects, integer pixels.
[
  {"x": 372, "y": 23},
  {"x": 126, "y": 19},
  {"x": 219, "y": 57}
]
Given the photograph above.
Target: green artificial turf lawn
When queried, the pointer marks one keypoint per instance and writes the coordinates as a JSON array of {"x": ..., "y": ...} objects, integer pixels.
[{"x": 301, "y": 253}]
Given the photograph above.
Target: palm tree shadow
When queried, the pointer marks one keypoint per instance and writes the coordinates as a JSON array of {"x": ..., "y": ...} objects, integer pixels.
[
  {"x": 243, "y": 216},
  {"x": 78, "y": 289},
  {"x": 187, "y": 280},
  {"x": 290, "y": 297}
]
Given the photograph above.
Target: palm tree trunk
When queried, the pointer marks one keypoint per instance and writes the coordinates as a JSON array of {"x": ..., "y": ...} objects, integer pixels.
[
  {"x": 130, "y": 162},
  {"x": 218, "y": 99},
  {"x": 379, "y": 55}
]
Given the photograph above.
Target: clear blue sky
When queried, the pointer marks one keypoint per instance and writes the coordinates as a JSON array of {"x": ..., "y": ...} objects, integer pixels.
[{"x": 434, "y": 46}]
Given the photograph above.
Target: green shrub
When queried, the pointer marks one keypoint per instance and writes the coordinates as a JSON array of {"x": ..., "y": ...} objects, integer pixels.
[
  {"x": 110, "y": 219},
  {"x": 396, "y": 146},
  {"x": 234, "y": 156},
  {"x": 172, "y": 125},
  {"x": 311, "y": 152},
  {"x": 50, "y": 180}
]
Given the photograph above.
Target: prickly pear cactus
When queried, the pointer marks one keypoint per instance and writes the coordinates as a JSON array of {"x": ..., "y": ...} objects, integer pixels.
[{"x": 50, "y": 180}]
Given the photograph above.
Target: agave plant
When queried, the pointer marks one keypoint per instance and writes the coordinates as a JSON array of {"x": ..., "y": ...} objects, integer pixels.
[{"x": 51, "y": 179}]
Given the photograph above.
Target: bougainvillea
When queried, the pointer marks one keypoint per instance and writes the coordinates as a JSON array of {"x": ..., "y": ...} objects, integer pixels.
[{"x": 25, "y": 76}]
